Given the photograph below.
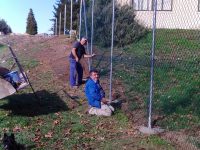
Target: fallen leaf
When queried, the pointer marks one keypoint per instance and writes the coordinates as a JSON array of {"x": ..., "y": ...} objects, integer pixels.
[
  {"x": 84, "y": 122},
  {"x": 56, "y": 122},
  {"x": 41, "y": 144},
  {"x": 67, "y": 132},
  {"x": 5, "y": 129},
  {"x": 37, "y": 130},
  {"x": 40, "y": 121},
  {"x": 36, "y": 139},
  {"x": 17, "y": 129},
  {"x": 49, "y": 134},
  {"x": 101, "y": 138}
]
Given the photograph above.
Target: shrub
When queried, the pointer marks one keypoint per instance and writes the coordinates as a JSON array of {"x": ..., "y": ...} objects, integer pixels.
[{"x": 126, "y": 28}]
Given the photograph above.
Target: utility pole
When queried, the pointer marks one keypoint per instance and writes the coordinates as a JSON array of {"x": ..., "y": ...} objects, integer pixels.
[
  {"x": 60, "y": 24},
  {"x": 56, "y": 27},
  {"x": 86, "y": 32},
  {"x": 149, "y": 130},
  {"x": 92, "y": 31},
  {"x": 80, "y": 19},
  {"x": 65, "y": 20},
  {"x": 111, "y": 51},
  {"x": 71, "y": 20}
]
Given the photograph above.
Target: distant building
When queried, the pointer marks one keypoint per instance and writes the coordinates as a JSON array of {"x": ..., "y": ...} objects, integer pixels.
[{"x": 172, "y": 14}]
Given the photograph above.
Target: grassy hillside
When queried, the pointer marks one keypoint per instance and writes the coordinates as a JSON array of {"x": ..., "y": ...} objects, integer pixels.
[
  {"x": 176, "y": 75},
  {"x": 58, "y": 120}
]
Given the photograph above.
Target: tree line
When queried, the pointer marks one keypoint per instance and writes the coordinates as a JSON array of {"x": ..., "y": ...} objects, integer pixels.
[
  {"x": 31, "y": 27},
  {"x": 126, "y": 30},
  {"x": 4, "y": 27},
  {"x": 59, "y": 7}
]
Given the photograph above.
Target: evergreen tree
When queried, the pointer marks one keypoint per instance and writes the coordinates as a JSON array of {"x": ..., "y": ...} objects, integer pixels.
[
  {"x": 60, "y": 7},
  {"x": 4, "y": 27},
  {"x": 31, "y": 27},
  {"x": 126, "y": 28}
]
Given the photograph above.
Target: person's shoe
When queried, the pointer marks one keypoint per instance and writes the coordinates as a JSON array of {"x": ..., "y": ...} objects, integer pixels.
[
  {"x": 85, "y": 79},
  {"x": 74, "y": 87}
]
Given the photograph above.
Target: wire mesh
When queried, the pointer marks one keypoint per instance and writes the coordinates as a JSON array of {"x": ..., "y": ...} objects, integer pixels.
[
  {"x": 177, "y": 52},
  {"x": 176, "y": 74},
  {"x": 176, "y": 94},
  {"x": 177, "y": 55},
  {"x": 99, "y": 47}
]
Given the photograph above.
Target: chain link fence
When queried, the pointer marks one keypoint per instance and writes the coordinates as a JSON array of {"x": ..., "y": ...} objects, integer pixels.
[
  {"x": 176, "y": 84},
  {"x": 176, "y": 81},
  {"x": 177, "y": 54}
]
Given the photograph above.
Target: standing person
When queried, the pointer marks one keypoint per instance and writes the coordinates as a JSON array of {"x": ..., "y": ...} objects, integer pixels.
[
  {"x": 78, "y": 51},
  {"x": 96, "y": 96}
]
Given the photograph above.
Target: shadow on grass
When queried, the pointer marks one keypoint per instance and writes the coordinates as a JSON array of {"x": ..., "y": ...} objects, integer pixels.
[
  {"x": 28, "y": 105},
  {"x": 1, "y": 46}
]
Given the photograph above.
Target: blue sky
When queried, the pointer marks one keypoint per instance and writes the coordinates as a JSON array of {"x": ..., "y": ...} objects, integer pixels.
[{"x": 15, "y": 13}]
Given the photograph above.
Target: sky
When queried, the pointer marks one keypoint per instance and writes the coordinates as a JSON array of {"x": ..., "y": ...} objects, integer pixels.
[{"x": 15, "y": 13}]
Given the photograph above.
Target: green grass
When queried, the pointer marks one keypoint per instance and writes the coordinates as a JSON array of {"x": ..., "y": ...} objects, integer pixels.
[
  {"x": 153, "y": 140},
  {"x": 30, "y": 63},
  {"x": 195, "y": 141},
  {"x": 47, "y": 125},
  {"x": 176, "y": 73},
  {"x": 121, "y": 118},
  {"x": 26, "y": 61},
  {"x": 3, "y": 49},
  {"x": 179, "y": 121}
]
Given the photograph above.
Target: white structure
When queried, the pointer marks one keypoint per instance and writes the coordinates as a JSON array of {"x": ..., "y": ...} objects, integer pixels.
[{"x": 172, "y": 14}]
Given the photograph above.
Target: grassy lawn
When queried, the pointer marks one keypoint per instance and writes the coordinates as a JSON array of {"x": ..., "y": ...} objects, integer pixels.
[
  {"x": 72, "y": 129},
  {"x": 50, "y": 125}
]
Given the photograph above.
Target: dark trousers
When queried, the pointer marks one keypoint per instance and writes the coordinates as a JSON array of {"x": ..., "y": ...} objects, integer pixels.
[{"x": 76, "y": 69}]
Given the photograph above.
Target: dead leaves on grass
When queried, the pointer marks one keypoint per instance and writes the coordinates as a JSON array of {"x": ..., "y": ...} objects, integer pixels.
[
  {"x": 38, "y": 138},
  {"x": 49, "y": 134},
  {"x": 39, "y": 121},
  {"x": 38, "y": 135},
  {"x": 17, "y": 129},
  {"x": 67, "y": 132}
]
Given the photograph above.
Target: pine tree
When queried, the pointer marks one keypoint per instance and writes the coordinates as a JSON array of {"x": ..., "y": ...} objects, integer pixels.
[
  {"x": 60, "y": 7},
  {"x": 126, "y": 28},
  {"x": 31, "y": 27}
]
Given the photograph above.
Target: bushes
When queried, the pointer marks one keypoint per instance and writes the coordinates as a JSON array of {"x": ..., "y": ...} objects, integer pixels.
[{"x": 127, "y": 29}]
